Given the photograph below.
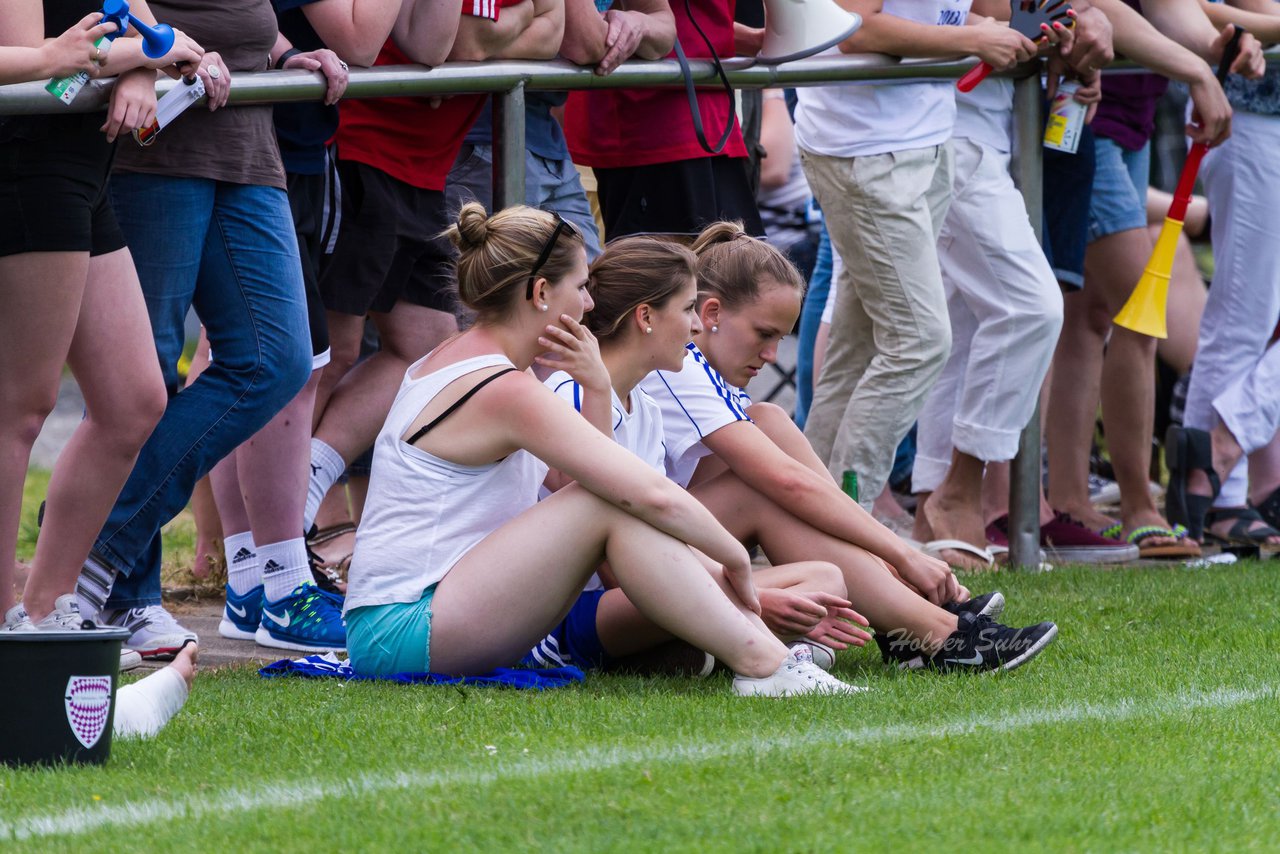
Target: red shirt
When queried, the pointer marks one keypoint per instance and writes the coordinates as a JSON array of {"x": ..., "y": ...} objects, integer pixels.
[
  {"x": 638, "y": 127},
  {"x": 405, "y": 137}
]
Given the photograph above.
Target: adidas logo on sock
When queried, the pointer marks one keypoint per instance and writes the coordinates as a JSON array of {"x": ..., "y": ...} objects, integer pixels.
[
  {"x": 241, "y": 556},
  {"x": 270, "y": 567}
]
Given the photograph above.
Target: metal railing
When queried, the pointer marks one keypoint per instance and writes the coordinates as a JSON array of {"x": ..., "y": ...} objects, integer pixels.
[{"x": 508, "y": 81}]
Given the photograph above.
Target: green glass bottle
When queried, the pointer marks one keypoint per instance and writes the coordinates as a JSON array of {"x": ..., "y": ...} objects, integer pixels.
[{"x": 849, "y": 483}]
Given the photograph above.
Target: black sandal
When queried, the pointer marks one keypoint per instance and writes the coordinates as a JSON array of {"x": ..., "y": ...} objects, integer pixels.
[
  {"x": 1242, "y": 532},
  {"x": 1269, "y": 509},
  {"x": 1185, "y": 450}
]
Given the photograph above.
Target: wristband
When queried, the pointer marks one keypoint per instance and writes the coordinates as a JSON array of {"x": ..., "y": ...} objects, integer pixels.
[{"x": 285, "y": 57}]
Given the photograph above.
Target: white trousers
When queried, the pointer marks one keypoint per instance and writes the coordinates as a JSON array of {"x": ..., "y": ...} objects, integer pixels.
[
  {"x": 1236, "y": 376},
  {"x": 1006, "y": 313}
]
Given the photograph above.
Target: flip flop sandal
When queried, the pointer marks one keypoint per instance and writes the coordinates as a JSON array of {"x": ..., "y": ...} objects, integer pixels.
[
  {"x": 1113, "y": 532},
  {"x": 1185, "y": 450},
  {"x": 1186, "y": 548},
  {"x": 935, "y": 548},
  {"x": 1242, "y": 532}
]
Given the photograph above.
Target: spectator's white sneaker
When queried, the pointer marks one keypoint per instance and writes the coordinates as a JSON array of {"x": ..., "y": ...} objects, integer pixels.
[
  {"x": 64, "y": 617},
  {"x": 154, "y": 633},
  {"x": 129, "y": 659},
  {"x": 796, "y": 675}
]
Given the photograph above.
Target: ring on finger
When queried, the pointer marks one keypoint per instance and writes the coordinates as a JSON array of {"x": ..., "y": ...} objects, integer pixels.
[
  {"x": 97, "y": 53},
  {"x": 343, "y": 65},
  {"x": 215, "y": 72}
]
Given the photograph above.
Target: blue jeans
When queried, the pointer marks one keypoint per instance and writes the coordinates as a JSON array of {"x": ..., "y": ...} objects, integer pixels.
[
  {"x": 229, "y": 250},
  {"x": 815, "y": 300}
]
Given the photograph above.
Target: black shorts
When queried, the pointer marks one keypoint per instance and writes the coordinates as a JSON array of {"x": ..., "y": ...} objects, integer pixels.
[
  {"x": 306, "y": 201},
  {"x": 53, "y": 179},
  {"x": 681, "y": 197},
  {"x": 389, "y": 246}
]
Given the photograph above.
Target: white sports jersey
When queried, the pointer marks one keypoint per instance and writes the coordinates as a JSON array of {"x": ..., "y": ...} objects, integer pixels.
[
  {"x": 639, "y": 431},
  {"x": 860, "y": 119},
  {"x": 695, "y": 402}
]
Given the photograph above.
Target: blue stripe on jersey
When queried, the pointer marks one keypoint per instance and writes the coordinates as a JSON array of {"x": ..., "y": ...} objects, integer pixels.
[
  {"x": 577, "y": 393},
  {"x": 676, "y": 398},
  {"x": 719, "y": 384}
]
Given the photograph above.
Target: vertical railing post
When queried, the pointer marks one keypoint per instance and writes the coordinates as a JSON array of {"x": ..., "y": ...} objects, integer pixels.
[
  {"x": 508, "y": 147},
  {"x": 1024, "y": 479}
]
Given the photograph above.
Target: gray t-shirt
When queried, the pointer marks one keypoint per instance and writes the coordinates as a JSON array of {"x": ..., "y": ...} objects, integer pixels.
[{"x": 233, "y": 144}]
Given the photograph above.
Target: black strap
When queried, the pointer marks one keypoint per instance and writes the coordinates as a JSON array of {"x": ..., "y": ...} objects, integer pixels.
[
  {"x": 413, "y": 440},
  {"x": 691, "y": 93}
]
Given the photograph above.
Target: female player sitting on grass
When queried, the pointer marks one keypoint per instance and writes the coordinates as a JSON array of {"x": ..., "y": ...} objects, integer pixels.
[
  {"x": 761, "y": 480},
  {"x": 649, "y": 285},
  {"x": 458, "y": 568}
]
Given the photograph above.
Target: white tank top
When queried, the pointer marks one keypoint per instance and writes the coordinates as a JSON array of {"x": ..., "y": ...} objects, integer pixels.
[{"x": 423, "y": 513}]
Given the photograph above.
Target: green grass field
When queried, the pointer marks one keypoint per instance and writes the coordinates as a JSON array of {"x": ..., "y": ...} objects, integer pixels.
[{"x": 1151, "y": 724}]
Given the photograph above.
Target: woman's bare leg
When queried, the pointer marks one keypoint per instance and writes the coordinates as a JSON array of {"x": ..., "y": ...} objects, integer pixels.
[
  {"x": 113, "y": 358},
  {"x": 874, "y": 591},
  {"x": 521, "y": 579}
]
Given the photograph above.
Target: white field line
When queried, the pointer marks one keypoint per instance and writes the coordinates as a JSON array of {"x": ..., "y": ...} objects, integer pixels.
[{"x": 297, "y": 793}]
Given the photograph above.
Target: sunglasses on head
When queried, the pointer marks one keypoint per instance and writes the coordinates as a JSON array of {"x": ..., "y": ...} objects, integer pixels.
[{"x": 562, "y": 225}]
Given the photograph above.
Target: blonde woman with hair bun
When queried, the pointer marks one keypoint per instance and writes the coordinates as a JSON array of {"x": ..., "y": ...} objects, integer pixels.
[{"x": 458, "y": 568}]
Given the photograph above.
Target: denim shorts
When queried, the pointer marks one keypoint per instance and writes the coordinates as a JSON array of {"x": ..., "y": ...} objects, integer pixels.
[
  {"x": 1068, "y": 186},
  {"x": 395, "y": 638},
  {"x": 1120, "y": 182}
]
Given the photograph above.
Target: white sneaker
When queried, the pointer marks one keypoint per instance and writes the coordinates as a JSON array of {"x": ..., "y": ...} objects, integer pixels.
[
  {"x": 796, "y": 675},
  {"x": 129, "y": 659},
  {"x": 823, "y": 655},
  {"x": 154, "y": 631},
  {"x": 17, "y": 620}
]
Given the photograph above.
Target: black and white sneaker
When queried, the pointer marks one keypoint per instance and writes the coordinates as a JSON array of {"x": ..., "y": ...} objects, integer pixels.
[
  {"x": 987, "y": 605},
  {"x": 980, "y": 644}
]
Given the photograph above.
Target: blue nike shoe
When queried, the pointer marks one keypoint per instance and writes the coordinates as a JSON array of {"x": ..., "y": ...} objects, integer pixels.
[
  {"x": 241, "y": 615},
  {"x": 307, "y": 620}
]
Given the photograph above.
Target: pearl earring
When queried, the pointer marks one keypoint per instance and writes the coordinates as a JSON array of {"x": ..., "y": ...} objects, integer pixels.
[
  {"x": 648, "y": 330},
  {"x": 715, "y": 329},
  {"x": 544, "y": 307}
]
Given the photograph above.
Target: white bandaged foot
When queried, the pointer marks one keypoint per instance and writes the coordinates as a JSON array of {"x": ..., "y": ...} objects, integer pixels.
[{"x": 143, "y": 708}]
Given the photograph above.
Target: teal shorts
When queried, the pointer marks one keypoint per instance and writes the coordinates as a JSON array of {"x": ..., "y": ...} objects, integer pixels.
[{"x": 395, "y": 638}]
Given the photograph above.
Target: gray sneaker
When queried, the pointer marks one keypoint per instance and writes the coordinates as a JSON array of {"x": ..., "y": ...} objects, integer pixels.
[{"x": 65, "y": 616}]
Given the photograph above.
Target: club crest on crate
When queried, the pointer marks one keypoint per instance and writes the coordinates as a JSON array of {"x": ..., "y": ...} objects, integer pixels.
[{"x": 88, "y": 703}]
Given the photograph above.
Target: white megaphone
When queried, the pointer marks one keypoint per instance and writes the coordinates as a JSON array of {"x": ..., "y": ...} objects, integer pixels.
[{"x": 795, "y": 29}]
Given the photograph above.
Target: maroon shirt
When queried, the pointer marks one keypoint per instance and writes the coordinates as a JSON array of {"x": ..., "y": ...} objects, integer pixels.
[{"x": 1127, "y": 114}]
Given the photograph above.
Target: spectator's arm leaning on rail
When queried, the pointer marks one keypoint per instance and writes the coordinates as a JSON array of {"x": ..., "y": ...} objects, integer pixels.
[
  {"x": 1186, "y": 23},
  {"x": 354, "y": 29},
  {"x": 1259, "y": 17},
  {"x": 1140, "y": 41},
  {"x": 640, "y": 28},
  {"x": 323, "y": 60},
  {"x": 882, "y": 32},
  {"x": 530, "y": 29},
  {"x": 426, "y": 30}
]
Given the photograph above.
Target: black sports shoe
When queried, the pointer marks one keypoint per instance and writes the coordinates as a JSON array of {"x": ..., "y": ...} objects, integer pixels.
[
  {"x": 981, "y": 644},
  {"x": 903, "y": 654},
  {"x": 987, "y": 605}
]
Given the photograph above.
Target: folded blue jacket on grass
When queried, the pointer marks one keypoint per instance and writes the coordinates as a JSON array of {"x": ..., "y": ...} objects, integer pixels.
[{"x": 330, "y": 666}]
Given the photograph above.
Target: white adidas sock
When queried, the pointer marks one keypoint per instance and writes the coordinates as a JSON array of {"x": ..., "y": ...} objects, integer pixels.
[
  {"x": 284, "y": 567},
  {"x": 326, "y": 467},
  {"x": 143, "y": 708},
  {"x": 244, "y": 569}
]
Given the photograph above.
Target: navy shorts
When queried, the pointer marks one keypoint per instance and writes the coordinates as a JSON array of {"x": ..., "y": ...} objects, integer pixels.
[
  {"x": 573, "y": 642},
  {"x": 1068, "y": 187}
]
